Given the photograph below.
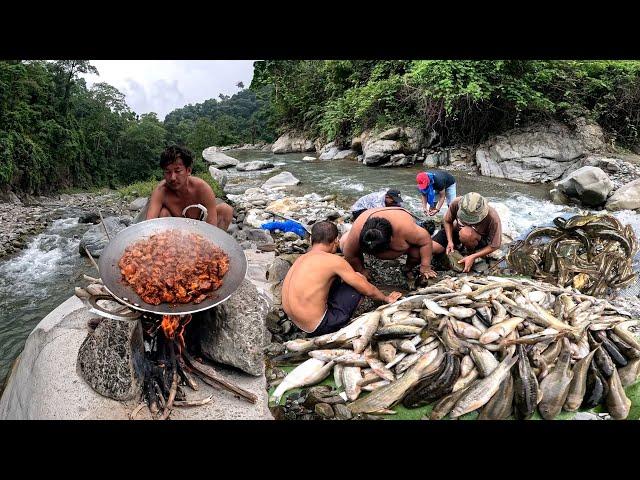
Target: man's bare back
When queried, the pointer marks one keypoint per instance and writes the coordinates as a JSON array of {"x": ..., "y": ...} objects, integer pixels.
[
  {"x": 407, "y": 238},
  {"x": 305, "y": 302},
  {"x": 321, "y": 290}
]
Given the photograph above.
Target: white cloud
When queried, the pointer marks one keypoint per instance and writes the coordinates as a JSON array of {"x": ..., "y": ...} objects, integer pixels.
[{"x": 163, "y": 85}]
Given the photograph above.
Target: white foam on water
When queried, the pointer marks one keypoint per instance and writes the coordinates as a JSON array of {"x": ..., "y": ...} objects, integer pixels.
[
  {"x": 48, "y": 256},
  {"x": 349, "y": 184}
]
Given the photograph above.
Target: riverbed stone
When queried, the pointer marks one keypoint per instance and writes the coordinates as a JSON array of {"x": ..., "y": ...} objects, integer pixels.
[
  {"x": 290, "y": 142},
  {"x": 235, "y": 333},
  {"x": 111, "y": 359},
  {"x": 346, "y": 155},
  {"x": 95, "y": 239},
  {"x": 218, "y": 159},
  {"x": 308, "y": 158},
  {"x": 253, "y": 166},
  {"x": 329, "y": 151},
  {"x": 218, "y": 175},
  {"x": 626, "y": 197},
  {"x": 283, "y": 179},
  {"x": 589, "y": 184},
  {"x": 278, "y": 270},
  {"x": 138, "y": 204}
]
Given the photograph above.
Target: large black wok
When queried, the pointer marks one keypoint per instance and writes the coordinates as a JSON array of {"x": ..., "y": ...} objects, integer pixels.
[{"x": 112, "y": 278}]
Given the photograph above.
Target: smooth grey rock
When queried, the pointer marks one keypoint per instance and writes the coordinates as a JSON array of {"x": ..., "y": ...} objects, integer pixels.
[
  {"x": 278, "y": 270},
  {"x": 253, "y": 166},
  {"x": 379, "y": 151},
  {"x": 283, "y": 179},
  {"x": 289, "y": 143},
  {"x": 259, "y": 236},
  {"x": 590, "y": 184},
  {"x": 9, "y": 197},
  {"x": 218, "y": 159},
  {"x": 346, "y": 154},
  {"x": 95, "y": 239},
  {"x": 218, "y": 175},
  {"x": 434, "y": 160},
  {"x": 626, "y": 197},
  {"x": 538, "y": 153},
  {"x": 236, "y": 334},
  {"x": 138, "y": 204},
  {"x": 329, "y": 151},
  {"x": 111, "y": 359}
]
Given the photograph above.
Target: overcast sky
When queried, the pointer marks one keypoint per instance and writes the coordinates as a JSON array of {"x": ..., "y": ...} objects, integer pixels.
[{"x": 163, "y": 85}]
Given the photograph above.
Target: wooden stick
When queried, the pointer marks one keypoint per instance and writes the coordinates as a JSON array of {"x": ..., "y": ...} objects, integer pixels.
[
  {"x": 104, "y": 225},
  {"x": 133, "y": 414},
  {"x": 174, "y": 385},
  {"x": 193, "y": 403},
  {"x": 92, "y": 260},
  {"x": 207, "y": 372},
  {"x": 188, "y": 379}
]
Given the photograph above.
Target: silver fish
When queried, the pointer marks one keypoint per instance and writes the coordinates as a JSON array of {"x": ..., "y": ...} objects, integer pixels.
[{"x": 307, "y": 373}]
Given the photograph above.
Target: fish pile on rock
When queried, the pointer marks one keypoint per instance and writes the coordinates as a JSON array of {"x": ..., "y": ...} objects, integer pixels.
[
  {"x": 501, "y": 346},
  {"x": 590, "y": 252}
]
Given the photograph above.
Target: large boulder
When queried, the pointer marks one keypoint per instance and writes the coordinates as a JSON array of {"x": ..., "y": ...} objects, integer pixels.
[
  {"x": 283, "y": 179},
  {"x": 218, "y": 175},
  {"x": 111, "y": 359},
  {"x": 379, "y": 148},
  {"x": 95, "y": 239},
  {"x": 539, "y": 153},
  {"x": 380, "y": 151},
  {"x": 626, "y": 197},
  {"x": 346, "y": 154},
  {"x": 329, "y": 151},
  {"x": 138, "y": 204},
  {"x": 589, "y": 184},
  {"x": 253, "y": 166},
  {"x": 235, "y": 333},
  {"x": 289, "y": 143},
  {"x": 7, "y": 196},
  {"x": 218, "y": 159}
]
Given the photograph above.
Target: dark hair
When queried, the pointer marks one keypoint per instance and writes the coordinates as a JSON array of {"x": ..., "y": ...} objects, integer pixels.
[
  {"x": 173, "y": 152},
  {"x": 324, "y": 232},
  {"x": 375, "y": 236}
]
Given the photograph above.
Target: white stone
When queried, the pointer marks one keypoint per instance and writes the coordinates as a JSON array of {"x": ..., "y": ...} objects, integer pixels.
[
  {"x": 626, "y": 197},
  {"x": 283, "y": 179},
  {"x": 218, "y": 159}
]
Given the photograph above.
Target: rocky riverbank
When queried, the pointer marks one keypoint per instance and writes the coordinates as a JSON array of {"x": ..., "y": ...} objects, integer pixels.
[{"x": 21, "y": 219}]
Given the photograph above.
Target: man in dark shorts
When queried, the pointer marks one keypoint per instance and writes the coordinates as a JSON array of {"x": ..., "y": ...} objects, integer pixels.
[
  {"x": 469, "y": 224},
  {"x": 434, "y": 187},
  {"x": 321, "y": 290}
]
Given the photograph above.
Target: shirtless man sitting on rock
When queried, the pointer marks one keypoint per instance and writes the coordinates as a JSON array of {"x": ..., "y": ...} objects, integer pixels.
[
  {"x": 321, "y": 290},
  {"x": 180, "y": 194},
  {"x": 388, "y": 233}
]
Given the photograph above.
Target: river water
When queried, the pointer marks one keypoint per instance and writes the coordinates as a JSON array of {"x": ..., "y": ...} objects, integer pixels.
[{"x": 42, "y": 276}]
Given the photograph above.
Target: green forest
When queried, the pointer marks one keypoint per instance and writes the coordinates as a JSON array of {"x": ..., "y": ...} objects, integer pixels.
[
  {"x": 464, "y": 101},
  {"x": 56, "y": 133}
]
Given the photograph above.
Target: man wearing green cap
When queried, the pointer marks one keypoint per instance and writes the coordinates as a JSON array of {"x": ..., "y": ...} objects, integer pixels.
[{"x": 469, "y": 224}]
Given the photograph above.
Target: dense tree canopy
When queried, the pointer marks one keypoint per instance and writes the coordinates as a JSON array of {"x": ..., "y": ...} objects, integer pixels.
[
  {"x": 55, "y": 132},
  {"x": 464, "y": 100}
]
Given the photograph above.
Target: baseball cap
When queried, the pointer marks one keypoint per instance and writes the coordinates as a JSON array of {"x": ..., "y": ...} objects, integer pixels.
[
  {"x": 473, "y": 208},
  {"x": 423, "y": 180},
  {"x": 395, "y": 194}
]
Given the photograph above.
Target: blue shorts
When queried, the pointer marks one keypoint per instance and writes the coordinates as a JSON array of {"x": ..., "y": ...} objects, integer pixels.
[{"x": 342, "y": 301}]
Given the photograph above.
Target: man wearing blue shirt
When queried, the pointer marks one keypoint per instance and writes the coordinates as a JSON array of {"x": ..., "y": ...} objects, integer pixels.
[{"x": 434, "y": 188}]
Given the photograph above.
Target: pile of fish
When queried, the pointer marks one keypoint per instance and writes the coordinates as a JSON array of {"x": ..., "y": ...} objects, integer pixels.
[
  {"x": 503, "y": 346},
  {"x": 589, "y": 252}
]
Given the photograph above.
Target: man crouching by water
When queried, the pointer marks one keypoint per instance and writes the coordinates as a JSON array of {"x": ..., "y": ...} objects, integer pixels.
[
  {"x": 388, "y": 233},
  {"x": 180, "y": 194},
  {"x": 321, "y": 290}
]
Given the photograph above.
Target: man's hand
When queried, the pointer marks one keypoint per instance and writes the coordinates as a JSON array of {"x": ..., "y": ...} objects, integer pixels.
[
  {"x": 392, "y": 297},
  {"x": 468, "y": 263},
  {"x": 450, "y": 248},
  {"x": 428, "y": 272},
  {"x": 433, "y": 211}
]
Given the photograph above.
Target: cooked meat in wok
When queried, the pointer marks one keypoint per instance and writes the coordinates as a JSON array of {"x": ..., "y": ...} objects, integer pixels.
[{"x": 173, "y": 267}]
